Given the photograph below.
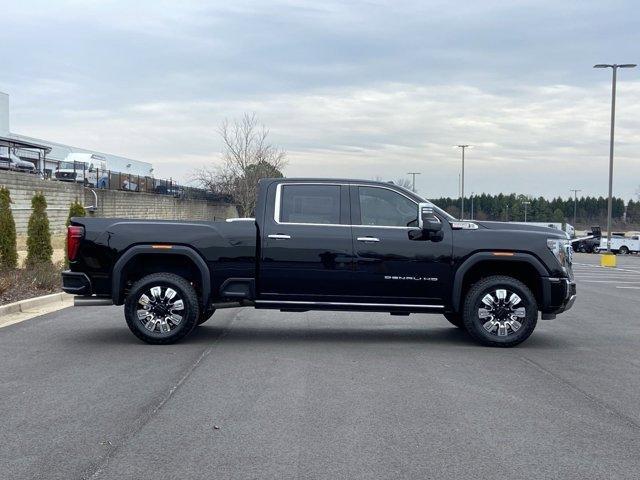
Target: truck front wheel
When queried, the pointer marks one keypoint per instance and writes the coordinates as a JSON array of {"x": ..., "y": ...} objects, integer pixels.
[
  {"x": 500, "y": 311},
  {"x": 161, "y": 308}
]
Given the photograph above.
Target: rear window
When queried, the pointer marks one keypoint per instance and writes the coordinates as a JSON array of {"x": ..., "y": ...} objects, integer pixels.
[{"x": 310, "y": 204}]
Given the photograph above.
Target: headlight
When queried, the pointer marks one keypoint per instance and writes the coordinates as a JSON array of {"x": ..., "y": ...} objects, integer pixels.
[{"x": 561, "y": 249}]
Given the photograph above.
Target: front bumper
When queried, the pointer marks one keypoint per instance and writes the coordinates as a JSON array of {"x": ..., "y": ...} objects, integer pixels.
[
  {"x": 76, "y": 283},
  {"x": 559, "y": 295}
]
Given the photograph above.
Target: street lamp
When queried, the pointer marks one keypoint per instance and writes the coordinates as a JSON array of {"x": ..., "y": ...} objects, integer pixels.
[
  {"x": 463, "y": 147},
  {"x": 526, "y": 204},
  {"x": 575, "y": 204},
  {"x": 472, "y": 195},
  {"x": 414, "y": 180},
  {"x": 614, "y": 67}
]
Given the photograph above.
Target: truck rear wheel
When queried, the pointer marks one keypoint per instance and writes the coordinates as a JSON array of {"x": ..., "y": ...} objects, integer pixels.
[
  {"x": 161, "y": 308},
  {"x": 500, "y": 311}
]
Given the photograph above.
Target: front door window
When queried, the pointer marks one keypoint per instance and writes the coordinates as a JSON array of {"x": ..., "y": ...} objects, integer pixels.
[{"x": 386, "y": 208}]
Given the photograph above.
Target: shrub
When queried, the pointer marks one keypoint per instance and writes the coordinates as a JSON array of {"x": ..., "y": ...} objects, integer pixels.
[
  {"x": 39, "y": 248},
  {"x": 75, "y": 210},
  {"x": 8, "y": 249},
  {"x": 43, "y": 276}
]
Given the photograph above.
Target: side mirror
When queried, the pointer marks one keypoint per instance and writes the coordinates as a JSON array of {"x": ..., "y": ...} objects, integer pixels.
[{"x": 427, "y": 219}]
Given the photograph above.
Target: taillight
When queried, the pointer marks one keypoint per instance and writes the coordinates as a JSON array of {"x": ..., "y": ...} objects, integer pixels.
[{"x": 74, "y": 235}]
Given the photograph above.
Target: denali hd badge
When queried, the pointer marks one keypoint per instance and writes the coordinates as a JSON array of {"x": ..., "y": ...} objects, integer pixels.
[{"x": 417, "y": 279}]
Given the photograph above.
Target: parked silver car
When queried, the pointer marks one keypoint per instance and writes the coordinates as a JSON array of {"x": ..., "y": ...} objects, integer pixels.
[{"x": 13, "y": 162}]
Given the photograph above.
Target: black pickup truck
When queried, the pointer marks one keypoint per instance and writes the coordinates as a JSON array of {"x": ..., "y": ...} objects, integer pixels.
[{"x": 320, "y": 244}]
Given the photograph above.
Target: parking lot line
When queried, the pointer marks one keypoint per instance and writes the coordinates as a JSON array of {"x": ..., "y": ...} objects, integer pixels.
[{"x": 606, "y": 281}]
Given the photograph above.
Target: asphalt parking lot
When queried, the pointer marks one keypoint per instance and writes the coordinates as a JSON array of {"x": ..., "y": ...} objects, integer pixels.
[{"x": 259, "y": 394}]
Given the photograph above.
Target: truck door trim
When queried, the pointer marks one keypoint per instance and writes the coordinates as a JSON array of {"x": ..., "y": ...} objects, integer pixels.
[{"x": 276, "y": 208}]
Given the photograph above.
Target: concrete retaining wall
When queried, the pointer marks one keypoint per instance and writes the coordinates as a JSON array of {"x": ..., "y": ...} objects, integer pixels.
[{"x": 111, "y": 203}]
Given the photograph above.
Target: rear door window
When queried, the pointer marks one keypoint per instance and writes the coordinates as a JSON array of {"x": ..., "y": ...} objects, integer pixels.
[{"x": 318, "y": 204}]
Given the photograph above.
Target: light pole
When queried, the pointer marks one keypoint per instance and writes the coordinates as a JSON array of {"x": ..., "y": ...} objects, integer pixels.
[
  {"x": 463, "y": 147},
  {"x": 472, "y": 195},
  {"x": 575, "y": 204},
  {"x": 614, "y": 67},
  {"x": 526, "y": 204},
  {"x": 413, "y": 174}
]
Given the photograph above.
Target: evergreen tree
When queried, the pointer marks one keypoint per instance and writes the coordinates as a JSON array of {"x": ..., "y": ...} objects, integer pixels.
[
  {"x": 75, "y": 210},
  {"x": 8, "y": 249},
  {"x": 39, "y": 248},
  {"x": 590, "y": 210}
]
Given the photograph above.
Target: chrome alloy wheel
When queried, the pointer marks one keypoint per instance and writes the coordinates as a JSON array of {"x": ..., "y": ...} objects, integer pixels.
[
  {"x": 503, "y": 312},
  {"x": 160, "y": 309}
]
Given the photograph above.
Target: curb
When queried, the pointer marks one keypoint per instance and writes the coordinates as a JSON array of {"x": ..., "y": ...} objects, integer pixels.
[{"x": 31, "y": 303}]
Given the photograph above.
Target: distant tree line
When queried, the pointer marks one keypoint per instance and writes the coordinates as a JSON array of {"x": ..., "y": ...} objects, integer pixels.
[{"x": 590, "y": 210}]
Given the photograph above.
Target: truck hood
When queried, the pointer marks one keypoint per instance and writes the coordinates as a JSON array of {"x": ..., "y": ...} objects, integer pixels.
[{"x": 521, "y": 228}]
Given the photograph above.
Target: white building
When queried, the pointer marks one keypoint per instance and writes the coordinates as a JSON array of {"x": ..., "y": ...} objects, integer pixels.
[{"x": 57, "y": 152}]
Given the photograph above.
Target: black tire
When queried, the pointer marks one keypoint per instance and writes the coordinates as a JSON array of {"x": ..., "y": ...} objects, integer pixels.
[
  {"x": 595, "y": 249},
  {"x": 206, "y": 315},
  {"x": 189, "y": 313},
  {"x": 454, "y": 319},
  {"x": 504, "y": 332},
  {"x": 623, "y": 250}
]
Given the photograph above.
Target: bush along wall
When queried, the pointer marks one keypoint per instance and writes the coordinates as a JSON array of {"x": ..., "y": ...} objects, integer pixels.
[
  {"x": 39, "y": 250},
  {"x": 8, "y": 249},
  {"x": 75, "y": 210}
]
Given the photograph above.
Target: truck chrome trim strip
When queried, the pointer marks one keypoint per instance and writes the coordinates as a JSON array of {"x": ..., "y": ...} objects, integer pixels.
[
  {"x": 276, "y": 210},
  {"x": 348, "y": 304},
  {"x": 279, "y": 236}
]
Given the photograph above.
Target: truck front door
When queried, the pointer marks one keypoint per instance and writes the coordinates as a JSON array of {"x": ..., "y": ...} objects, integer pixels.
[
  {"x": 393, "y": 265},
  {"x": 307, "y": 253}
]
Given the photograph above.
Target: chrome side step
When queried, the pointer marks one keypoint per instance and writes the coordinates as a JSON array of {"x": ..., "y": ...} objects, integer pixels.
[{"x": 91, "y": 301}]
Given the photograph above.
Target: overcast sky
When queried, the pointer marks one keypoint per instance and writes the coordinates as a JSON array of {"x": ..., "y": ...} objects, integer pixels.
[{"x": 354, "y": 89}]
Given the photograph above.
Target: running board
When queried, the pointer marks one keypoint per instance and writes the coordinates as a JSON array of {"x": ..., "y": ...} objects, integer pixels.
[
  {"x": 301, "y": 304},
  {"x": 92, "y": 301}
]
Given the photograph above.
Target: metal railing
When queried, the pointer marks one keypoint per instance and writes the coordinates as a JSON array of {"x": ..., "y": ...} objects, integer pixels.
[{"x": 104, "y": 179}]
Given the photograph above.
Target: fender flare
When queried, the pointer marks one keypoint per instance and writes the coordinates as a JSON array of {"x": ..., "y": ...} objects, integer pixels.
[
  {"x": 116, "y": 274},
  {"x": 474, "y": 259}
]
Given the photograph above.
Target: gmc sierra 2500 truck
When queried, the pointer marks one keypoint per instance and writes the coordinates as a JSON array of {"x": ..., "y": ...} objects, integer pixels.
[{"x": 320, "y": 244}]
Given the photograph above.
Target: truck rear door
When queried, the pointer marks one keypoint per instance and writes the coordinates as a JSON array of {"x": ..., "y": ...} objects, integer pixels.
[{"x": 306, "y": 250}]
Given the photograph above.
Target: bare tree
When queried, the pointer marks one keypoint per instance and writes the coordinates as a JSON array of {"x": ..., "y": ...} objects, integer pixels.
[
  {"x": 404, "y": 182},
  {"x": 247, "y": 157}
]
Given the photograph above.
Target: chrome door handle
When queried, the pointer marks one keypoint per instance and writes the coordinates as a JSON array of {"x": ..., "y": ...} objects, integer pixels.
[
  {"x": 368, "y": 239},
  {"x": 279, "y": 236}
]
